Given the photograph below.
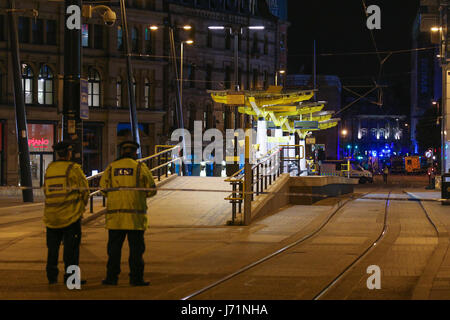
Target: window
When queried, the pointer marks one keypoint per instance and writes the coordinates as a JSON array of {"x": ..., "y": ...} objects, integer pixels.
[
  {"x": 2, "y": 28},
  {"x": 119, "y": 38},
  {"x": 228, "y": 40},
  {"x": 266, "y": 44},
  {"x": 93, "y": 88},
  {"x": 45, "y": 86},
  {"x": 147, "y": 94},
  {"x": 134, "y": 40},
  {"x": 98, "y": 36},
  {"x": 27, "y": 83},
  {"x": 119, "y": 92},
  {"x": 85, "y": 35},
  {"x": 266, "y": 79},
  {"x": 227, "y": 77},
  {"x": 209, "y": 39},
  {"x": 208, "y": 76},
  {"x": 51, "y": 32},
  {"x": 255, "y": 49},
  {"x": 148, "y": 40},
  {"x": 191, "y": 75},
  {"x": 24, "y": 30},
  {"x": 38, "y": 31},
  {"x": 255, "y": 78}
]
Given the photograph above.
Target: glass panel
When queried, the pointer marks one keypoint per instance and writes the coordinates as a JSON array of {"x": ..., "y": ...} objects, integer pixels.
[
  {"x": 49, "y": 98},
  {"x": 35, "y": 161},
  {"x": 49, "y": 85},
  {"x": 40, "y": 137},
  {"x": 46, "y": 160},
  {"x": 96, "y": 101},
  {"x": 85, "y": 35}
]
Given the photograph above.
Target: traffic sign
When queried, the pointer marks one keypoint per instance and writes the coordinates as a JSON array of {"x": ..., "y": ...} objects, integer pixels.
[{"x": 307, "y": 125}]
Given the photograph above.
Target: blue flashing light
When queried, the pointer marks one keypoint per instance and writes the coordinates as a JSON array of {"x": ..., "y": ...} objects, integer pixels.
[{"x": 349, "y": 147}]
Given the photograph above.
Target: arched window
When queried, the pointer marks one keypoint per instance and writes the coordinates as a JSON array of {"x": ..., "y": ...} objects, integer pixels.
[
  {"x": 27, "y": 83},
  {"x": 147, "y": 94},
  {"x": 119, "y": 91},
  {"x": 93, "y": 88},
  {"x": 119, "y": 38},
  {"x": 134, "y": 39},
  {"x": 45, "y": 85}
]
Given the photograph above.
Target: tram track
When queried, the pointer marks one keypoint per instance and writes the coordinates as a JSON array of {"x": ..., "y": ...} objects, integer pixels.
[
  {"x": 276, "y": 253},
  {"x": 421, "y": 287},
  {"x": 424, "y": 281}
]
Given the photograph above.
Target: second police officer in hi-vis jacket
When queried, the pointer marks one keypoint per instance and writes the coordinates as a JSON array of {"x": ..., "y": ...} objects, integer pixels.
[{"x": 126, "y": 214}]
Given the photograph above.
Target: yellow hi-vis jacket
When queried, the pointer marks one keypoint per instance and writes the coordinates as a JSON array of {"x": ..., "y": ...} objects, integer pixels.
[
  {"x": 127, "y": 209},
  {"x": 66, "y": 192}
]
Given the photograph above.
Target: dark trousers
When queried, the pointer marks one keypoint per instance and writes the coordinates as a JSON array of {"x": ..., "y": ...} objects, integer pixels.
[
  {"x": 71, "y": 237},
  {"x": 385, "y": 176},
  {"x": 135, "y": 260}
]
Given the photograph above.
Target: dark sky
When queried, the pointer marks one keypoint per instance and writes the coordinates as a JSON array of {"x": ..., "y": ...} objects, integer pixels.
[{"x": 340, "y": 27}]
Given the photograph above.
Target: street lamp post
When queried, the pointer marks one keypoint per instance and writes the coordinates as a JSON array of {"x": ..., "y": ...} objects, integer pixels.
[
  {"x": 19, "y": 106},
  {"x": 235, "y": 31},
  {"x": 181, "y": 69},
  {"x": 276, "y": 76},
  {"x": 131, "y": 93}
]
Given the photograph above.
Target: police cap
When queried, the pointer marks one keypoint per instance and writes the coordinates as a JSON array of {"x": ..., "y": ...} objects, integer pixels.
[
  {"x": 129, "y": 144},
  {"x": 62, "y": 146}
]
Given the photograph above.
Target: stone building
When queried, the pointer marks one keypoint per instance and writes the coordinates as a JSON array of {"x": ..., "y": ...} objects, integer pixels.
[{"x": 208, "y": 64}]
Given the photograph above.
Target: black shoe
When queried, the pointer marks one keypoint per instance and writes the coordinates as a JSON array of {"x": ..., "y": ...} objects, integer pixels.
[
  {"x": 108, "y": 282},
  {"x": 53, "y": 281},
  {"x": 140, "y": 283}
]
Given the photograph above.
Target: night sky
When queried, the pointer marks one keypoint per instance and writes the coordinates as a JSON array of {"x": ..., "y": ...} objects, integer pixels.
[{"x": 340, "y": 27}]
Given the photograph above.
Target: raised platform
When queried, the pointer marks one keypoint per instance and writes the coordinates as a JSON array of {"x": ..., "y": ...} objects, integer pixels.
[
  {"x": 321, "y": 185},
  {"x": 329, "y": 186}
]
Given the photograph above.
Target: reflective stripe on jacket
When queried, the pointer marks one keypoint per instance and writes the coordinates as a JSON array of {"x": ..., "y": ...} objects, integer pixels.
[
  {"x": 66, "y": 192},
  {"x": 127, "y": 209}
]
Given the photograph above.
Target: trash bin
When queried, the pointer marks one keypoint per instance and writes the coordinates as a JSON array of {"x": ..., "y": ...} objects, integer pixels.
[
  {"x": 217, "y": 170},
  {"x": 196, "y": 169},
  {"x": 209, "y": 169},
  {"x": 445, "y": 188},
  {"x": 232, "y": 168}
]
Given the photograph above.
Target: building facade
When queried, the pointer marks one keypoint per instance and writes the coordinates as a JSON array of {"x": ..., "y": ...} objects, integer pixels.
[
  {"x": 426, "y": 76},
  {"x": 208, "y": 64}
]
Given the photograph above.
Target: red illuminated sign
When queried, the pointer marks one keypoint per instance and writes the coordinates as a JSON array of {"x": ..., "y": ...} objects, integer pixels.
[{"x": 38, "y": 143}]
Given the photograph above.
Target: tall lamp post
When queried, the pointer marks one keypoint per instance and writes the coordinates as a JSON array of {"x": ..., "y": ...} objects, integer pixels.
[
  {"x": 276, "y": 75},
  {"x": 236, "y": 31},
  {"x": 181, "y": 69},
  {"x": 179, "y": 113},
  {"x": 19, "y": 104}
]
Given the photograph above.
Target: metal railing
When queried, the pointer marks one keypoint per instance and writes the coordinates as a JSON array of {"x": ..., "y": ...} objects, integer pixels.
[
  {"x": 161, "y": 162},
  {"x": 263, "y": 174}
]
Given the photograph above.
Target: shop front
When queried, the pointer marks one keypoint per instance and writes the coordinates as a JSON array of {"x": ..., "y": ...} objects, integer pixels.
[
  {"x": 92, "y": 148},
  {"x": 41, "y": 137}
]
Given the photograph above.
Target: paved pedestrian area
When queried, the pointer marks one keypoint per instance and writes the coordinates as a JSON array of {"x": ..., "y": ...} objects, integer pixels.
[{"x": 188, "y": 246}]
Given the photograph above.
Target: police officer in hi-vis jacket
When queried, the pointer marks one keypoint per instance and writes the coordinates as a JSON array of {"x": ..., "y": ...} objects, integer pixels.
[
  {"x": 126, "y": 212},
  {"x": 66, "y": 192}
]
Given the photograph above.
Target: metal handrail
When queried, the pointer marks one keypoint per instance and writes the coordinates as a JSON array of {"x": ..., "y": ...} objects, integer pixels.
[
  {"x": 271, "y": 162},
  {"x": 97, "y": 175}
]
